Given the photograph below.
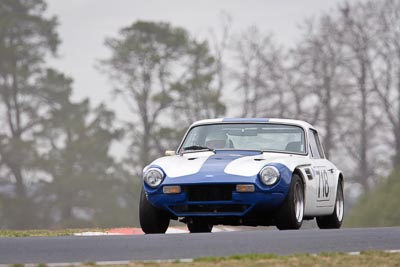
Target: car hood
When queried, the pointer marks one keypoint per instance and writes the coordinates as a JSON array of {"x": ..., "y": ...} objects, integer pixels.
[{"x": 232, "y": 162}]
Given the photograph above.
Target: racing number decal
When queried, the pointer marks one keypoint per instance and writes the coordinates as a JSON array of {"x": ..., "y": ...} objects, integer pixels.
[{"x": 323, "y": 185}]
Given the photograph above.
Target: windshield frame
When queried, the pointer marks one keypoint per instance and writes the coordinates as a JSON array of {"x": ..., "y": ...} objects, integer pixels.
[{"x": 305, "y": 134}]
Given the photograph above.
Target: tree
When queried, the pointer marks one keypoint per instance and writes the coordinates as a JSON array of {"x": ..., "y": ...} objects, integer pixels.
[
  {"x": 142, "y": 66},
  {"x": 259, "y": 75},
  {"x": 167, "y": 80},
  {"x": 86, "y": 187},
  {"x": 55, "y": 166},
  {"x": 357, "y": 23},
  {"x": 385, "y": 68},
  {"x": 379, "y": 207},
  {"x": 26, "y": 37},
  {"x": 196, "y": 96},
  {"x": 332, "y": 63},
  {"x": 318, "y": 60},
  {"x": 219, "y": 47}
]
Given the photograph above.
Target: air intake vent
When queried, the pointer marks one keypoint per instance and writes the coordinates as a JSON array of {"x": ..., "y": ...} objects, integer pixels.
[
  {"x": 309, "y": 174},
  {"x": 213, "y": 192}
]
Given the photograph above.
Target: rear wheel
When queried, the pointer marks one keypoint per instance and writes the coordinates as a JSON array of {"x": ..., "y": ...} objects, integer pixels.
[
  {"x": 199, "y": 226},
  {"x": 291, "y": 212},
  {"x": 335, "y": 220},
  {"x": 152, "y": 219}
]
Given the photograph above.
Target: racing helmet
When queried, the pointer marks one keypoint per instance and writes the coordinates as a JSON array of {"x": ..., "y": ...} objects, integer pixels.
[{"x": 216, "y": 139}]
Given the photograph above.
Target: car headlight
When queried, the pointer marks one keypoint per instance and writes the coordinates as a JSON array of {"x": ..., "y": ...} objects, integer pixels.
[
  {"x": 269, "y": 175},
  {"x": 153, "y": 177}
]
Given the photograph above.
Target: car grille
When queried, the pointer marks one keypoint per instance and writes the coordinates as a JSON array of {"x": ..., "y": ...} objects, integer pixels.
[{"x": 219, "y": 192}]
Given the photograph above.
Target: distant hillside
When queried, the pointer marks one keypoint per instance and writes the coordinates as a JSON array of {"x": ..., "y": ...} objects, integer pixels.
[{"x": 381, "y": 207}]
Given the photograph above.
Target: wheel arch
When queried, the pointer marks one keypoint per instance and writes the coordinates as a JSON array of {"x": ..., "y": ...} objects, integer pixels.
[
  {"x": 341, "y": 178},
  {"x": 341, "y": 181},
  {"x": 298, "y": 171},
  {"x": 308, "y": 202},
  {"x": 338, "y": 180}
]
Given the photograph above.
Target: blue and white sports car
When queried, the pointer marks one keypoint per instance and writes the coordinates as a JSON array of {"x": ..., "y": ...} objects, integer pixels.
[{"x": 243, "y": 172}]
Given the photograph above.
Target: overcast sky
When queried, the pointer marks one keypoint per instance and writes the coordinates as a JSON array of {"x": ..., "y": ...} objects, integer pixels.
[{"x": 84, "y": 24}]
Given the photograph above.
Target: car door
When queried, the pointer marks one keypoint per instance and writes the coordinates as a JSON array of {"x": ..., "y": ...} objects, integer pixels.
[{"x": 322, "y": 172}]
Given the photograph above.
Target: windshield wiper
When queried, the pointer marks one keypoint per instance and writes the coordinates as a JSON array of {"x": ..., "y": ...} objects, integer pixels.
[{"x": 194, "y": 148}]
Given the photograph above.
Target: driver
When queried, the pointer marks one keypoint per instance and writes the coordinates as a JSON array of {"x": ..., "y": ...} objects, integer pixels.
[{"x": 216, "y": 140}]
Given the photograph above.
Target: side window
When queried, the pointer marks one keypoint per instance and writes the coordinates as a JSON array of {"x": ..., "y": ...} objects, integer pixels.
[
  {"x": 315, "y": 145},
  {"x": 319, "y": 145}
]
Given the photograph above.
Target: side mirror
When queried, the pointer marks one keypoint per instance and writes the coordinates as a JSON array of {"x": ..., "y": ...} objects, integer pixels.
[{"x": 170, "y": 153}]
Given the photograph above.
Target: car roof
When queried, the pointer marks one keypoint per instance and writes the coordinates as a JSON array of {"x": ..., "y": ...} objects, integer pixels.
[{"x": 303, "y": 124}]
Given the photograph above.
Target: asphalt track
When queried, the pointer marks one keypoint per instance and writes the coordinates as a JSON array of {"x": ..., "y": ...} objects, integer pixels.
[{"x": 74, "y": 249}]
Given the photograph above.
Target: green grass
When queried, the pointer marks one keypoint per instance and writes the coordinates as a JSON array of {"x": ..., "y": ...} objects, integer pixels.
[
  {"x": 327, "y": 259},
  {"x": 365, "y": 259},
  {"x": 370, "y": 258},
  {"x": 238, "y": 257},
  {"x": 63, "y": 232}
]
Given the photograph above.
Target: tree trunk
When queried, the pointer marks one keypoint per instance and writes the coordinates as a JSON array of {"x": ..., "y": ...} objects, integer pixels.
[
  {"x": 396, "y": 161},
  {"x": 23, "y": 207},
  {"x": 328, "y": 117},
  {"x": 145, "y": 146},
  {"x": 363, "y": 162},
  {"x": 396, "y": 158}
]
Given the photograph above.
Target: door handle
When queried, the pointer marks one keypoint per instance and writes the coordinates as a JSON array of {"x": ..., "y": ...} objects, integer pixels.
[{"x": 331, "y": 170}]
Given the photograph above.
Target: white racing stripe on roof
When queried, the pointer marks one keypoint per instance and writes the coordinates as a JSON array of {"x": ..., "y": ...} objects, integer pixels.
[
  {"x": 207, "y": 121},
  {"x": 303, "y": 124}
]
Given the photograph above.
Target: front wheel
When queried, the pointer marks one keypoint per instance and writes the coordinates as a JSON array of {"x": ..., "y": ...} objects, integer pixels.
[
  {"x": 291, "y": 212},
  {"x": 152, "y": 219},
  {"x": 335, "y": 220}
]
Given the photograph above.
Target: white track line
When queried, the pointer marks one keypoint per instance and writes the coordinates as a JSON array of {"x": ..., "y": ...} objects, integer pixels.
[
  {"x": 392, "y": 251},
  {"x": 171, "y": 230}
]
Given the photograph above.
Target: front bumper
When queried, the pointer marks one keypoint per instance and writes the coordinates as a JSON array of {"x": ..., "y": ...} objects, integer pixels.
[
  {"x": 217, "y": 197},
  {"x": 240, "y": 204}
]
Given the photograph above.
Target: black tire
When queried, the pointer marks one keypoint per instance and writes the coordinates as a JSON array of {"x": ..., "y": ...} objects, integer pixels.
[
  {"x": 152, "y": 219},
  {"x": 291, "y": 213},
  {"x": 335, "y": 220},
  {"x": 199, "y": 226}
]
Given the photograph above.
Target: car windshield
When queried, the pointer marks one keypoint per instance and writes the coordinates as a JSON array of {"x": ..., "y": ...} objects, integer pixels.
[{"x": 245, "y": 136}]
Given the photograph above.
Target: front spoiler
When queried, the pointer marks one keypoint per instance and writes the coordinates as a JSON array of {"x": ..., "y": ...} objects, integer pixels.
[{"x": 240, "y": 205}]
